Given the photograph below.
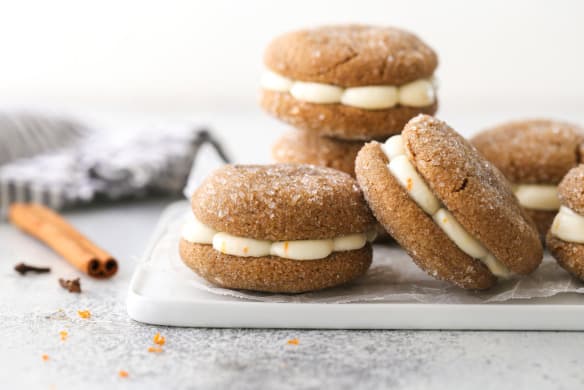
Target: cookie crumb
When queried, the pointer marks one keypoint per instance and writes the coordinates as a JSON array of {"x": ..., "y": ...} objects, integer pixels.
[
  {"x": 293, "y": 341},
  {"x": 73, "y": 285},
  {"x": 85, "y": 314},
  {"x": 123, "y": 374}
]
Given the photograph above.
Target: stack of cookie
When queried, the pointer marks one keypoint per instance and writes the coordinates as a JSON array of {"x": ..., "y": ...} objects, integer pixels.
[
  {"x": 446, "y": 201},
  {"x": 341, "y": 86}
]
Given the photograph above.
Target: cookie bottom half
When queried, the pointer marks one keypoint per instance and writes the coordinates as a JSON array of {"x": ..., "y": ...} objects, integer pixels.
[
  {"x": 338, "y": 120},
  {"x": 305, "y": 147},
  {"x": 569, "y": 255},
  {"x": 275, "y": 274}
]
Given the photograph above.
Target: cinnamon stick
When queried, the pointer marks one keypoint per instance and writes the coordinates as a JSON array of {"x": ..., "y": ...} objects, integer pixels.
[{"x": 55, "y": 232}]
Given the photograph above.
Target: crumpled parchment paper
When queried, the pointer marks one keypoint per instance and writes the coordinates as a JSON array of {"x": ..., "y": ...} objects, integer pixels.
[{"x": 393, "y": 277}]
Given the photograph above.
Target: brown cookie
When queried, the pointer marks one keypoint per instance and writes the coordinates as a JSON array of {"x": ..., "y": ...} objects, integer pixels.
[
  {"x": 304, "y": 147},
  {"x": 275, "y": 274},
  {"x": 533, "y": 152},
  {"x": 542, "y": 219},
  {"x": 569, "y": 254},
  {"x": 248, "y": 210},
  {"x": 349, "y": 57},
  {"x": 472, "y": 190}
]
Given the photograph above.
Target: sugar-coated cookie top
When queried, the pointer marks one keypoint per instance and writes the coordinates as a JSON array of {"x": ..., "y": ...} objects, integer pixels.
[
  {"x": 571, "y": 189},
  {"x": 536, "y": 151},
  {"x": 282, "y": 202},
  {"x": 474, "y": 191},
  {"x": 351, "y": 55}
]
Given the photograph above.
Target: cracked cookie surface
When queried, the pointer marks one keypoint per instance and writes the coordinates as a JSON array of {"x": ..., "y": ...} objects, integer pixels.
[{"x": 351, "y": 55}]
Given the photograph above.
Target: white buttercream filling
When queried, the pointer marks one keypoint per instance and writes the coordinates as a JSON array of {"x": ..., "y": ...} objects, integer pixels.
[
  {"x": 406, "y": 174},
  {"x": 418, "y": 93},
  {"x": 196, "y": 232},
  {"x": 537, "y": 196},
  {"x": 568, "y": 226}
]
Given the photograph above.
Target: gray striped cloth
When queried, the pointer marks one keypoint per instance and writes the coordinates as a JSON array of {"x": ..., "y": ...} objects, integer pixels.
[{"x": 60, "y": 162}]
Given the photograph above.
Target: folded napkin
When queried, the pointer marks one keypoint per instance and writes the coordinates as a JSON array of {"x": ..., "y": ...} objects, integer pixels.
[{"x": 62, "y": 162}]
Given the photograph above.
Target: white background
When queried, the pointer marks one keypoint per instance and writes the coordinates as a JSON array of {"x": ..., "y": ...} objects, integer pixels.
[{"x": 521, "y": 57}]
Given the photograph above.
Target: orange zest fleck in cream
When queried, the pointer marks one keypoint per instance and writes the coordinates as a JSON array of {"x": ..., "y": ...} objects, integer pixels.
[
  {"x": 45, "y": 357},
  {"x": 245, "y": 250},
  {"x": 158, "y": 339},
  {"x": 63, "y": 335},
  {"x": 286, "y": 245},
  {"x": 410, "y": 184},
  {"x": 84, "y": 314},
  {"x": 123, "y": 374},
  {"x": 293, "y": 341},
  {"x": 155, "y": 349}
]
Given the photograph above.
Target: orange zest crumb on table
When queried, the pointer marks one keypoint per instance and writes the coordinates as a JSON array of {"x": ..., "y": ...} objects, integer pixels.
[
  {"x": 63, "y": 335},
  {"x": 158, "y": 339},
  {"x": 293, "y": 341},
  {"x": 123, "y": 374},
  {"x": 45, "y": 357},
  {"x": 84, "y": 314}
]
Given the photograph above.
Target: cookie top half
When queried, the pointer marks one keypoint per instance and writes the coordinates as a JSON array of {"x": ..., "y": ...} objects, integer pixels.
[
  {"x": 537, "y": 151},
  {"x": 282, "y": 202},
  {"x": 351, "y": 56},
  {"x": 571, "y": 189},
  {"x": 474, "y": 191}
]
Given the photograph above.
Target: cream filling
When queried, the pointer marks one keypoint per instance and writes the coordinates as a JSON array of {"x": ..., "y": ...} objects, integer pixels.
[
  {"x": 196, "y": 232},
  {"x": 537, "y": 196},
  {"x": 568, "y": 226},
  {"x": 418, "y": 93},
  {"x": 405, "y": 173}
]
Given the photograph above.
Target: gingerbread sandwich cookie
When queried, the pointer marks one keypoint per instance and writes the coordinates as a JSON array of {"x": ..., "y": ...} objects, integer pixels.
[
  {"x": 349, "y": 81},
  {"x": 534, "y": 155},
  {"x": 278, "y": 228},
  {"x": 449, "y": 208},
  {"x": 306, "y": 147},
  {"x": 565, "y": 239}
]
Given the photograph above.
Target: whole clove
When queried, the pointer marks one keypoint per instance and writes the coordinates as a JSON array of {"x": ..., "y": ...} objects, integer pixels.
[{"x": 23, "y": 269}]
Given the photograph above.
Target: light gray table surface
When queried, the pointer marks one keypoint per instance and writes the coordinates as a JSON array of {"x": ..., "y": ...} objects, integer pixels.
[{"x": 33, "y": 309}]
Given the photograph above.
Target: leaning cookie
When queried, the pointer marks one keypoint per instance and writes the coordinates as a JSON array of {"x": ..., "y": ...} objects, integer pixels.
[
  {"x": 565, "y": 239},
  {"x": 534, "y": 155},
  {"x": 278, "y": 228},
  {"x": 349, "y": 81},
  {"x": 450, "y": 209},
  {"x": 305, "y": 147}
]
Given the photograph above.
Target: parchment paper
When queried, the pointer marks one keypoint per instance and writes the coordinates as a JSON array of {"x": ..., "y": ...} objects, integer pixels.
[{"x": 393, "y": 277}]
